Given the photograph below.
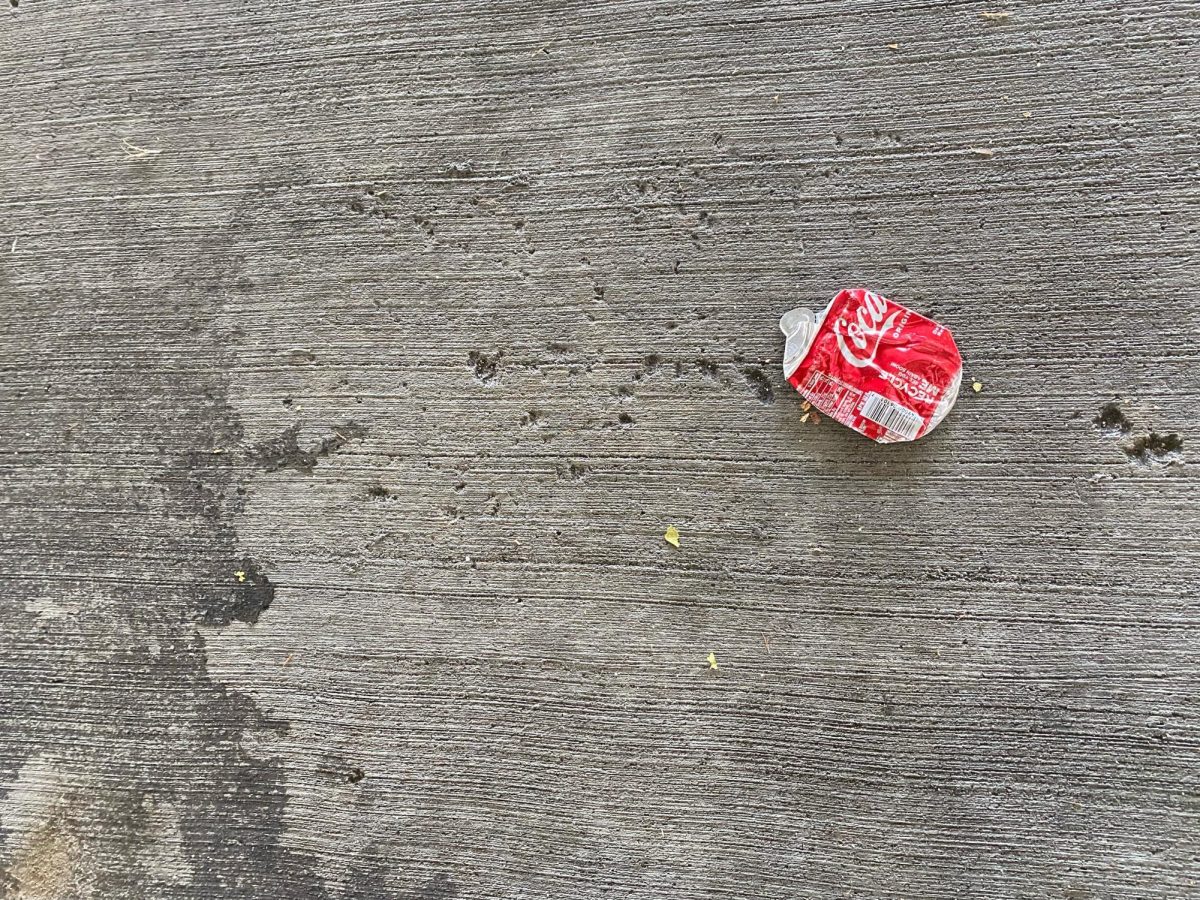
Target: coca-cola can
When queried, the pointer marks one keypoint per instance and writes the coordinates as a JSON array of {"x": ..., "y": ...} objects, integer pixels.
[{"x": 873, "y": 365}]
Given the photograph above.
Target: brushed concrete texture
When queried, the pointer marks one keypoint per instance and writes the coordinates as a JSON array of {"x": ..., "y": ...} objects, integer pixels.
[{"x": 356, "y": 356}]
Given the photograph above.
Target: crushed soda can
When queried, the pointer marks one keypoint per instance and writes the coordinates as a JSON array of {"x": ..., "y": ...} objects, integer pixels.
[{"x": 873, "y": 365}]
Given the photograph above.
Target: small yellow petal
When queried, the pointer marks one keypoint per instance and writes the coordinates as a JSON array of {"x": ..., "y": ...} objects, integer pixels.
[
  {"x": 804, "y": 418},
  {"x": 806, "y": 406},
  {"x": 672, "y": 536},
  {"x": 977, "y": 386},
  {"x": 712, "y": 661},
  {"x": 891, "y": 47}
]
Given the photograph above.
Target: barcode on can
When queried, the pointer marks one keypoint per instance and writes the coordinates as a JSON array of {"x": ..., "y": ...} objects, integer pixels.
[{"x": 891, "y": 415}]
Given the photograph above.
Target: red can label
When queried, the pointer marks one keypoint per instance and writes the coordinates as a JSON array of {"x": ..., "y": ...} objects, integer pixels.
[{"x": 877, "y": 367}]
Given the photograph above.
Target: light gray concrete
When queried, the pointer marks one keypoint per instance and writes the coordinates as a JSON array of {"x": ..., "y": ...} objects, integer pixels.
[{"x": 354, "y": 358}]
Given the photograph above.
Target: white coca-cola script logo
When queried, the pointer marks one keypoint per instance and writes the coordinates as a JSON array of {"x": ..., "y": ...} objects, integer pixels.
[{"x": 865, "y": 332}]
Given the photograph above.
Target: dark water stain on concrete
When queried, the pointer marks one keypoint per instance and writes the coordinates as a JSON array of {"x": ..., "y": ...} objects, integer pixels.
[
  {"x": 760, "y": 384},
  {"x": 285, "y": 452},
  {"x": 486, "y": 366},
  {"x": 158, "y": 794},
  {"x": 1154, "y": 448},
  {"x": 1111, "y": 419},
  {"x": 249, "y": 594}
]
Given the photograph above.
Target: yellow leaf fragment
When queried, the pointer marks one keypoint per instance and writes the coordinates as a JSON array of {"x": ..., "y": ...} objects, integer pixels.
[
  {"x": 1026, "y": 115},
  {"x": 977, "y": 386},
  {"x": 995, "y": 16},
  {"x": 804, "y": 418},
  {"x": 712, "y": 660},
  {"x": 806, "y": 406},
  {"x": 983, "y": 152},
  {"x": 893, "y": 46},
  {"x": 672, "y": 536},
  {"x": 240, "y": 575}
]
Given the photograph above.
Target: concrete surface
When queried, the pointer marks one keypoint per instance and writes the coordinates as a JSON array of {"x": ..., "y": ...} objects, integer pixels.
[{"x": 356, "y": 356}]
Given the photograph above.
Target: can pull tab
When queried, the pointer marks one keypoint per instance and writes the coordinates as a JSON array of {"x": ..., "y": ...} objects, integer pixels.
[{"x": 800, "y": 327}]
